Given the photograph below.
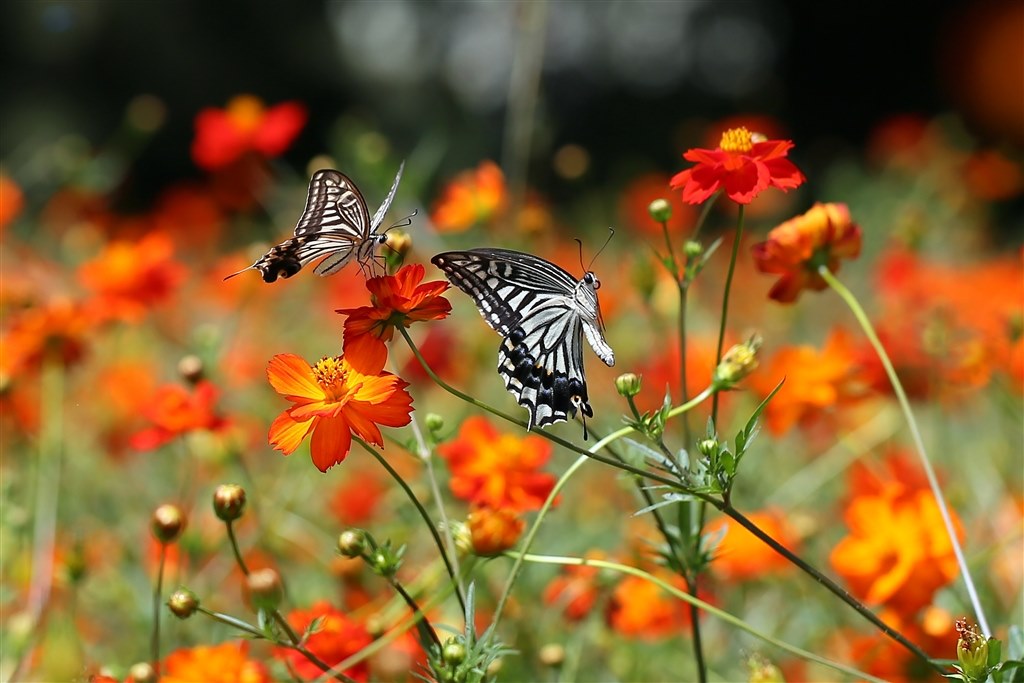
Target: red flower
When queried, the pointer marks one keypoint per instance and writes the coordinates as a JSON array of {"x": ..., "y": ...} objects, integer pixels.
[
  {"x": 175, "y": 410},
  {"x": 642, "y": 609},
  {"x": 744, "y": 165},
  {"x": 335, "y": 639},
  {"x": 498, "y": 470},
  {"x": 741, "y": 555},
  {"x": 398, "y": 299},
  {"x": 796, "y": 248},
  {"x": 576, "y": 589},
  {"x": 224, "y": 663},
  {"x": 224, "y": 135},
  {"x": 472, "y": 197},
  {"x": 332, "y": 400},
  {"x": 493, "y": 531}
]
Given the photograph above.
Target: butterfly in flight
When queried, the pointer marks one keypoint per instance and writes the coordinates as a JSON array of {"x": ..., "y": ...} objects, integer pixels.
[
  {"x": 336, "y": 223},
  {"x": 543, "y": 313}
]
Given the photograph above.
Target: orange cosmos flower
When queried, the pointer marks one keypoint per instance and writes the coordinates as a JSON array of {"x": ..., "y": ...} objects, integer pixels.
[
  {"x": 332, "y": 400},
  {"x": 741, "y": 555},
  {"x": 816, "y": 381},
  {"x": 642, "y": 609},
  {"x": 576, "y": 589},
  {"x": 498, "y": 470},
  {"x": 335, "y": 639},
  {"x": 472, "y": 197},
  {"x": 744, "y": 165},
  {"x": 224, "y": 135},
  {"x": 175, "y": 410},
  {"x": 225, "y": 663},
  {"x": 493, "y": 531},
  {"x": 130, "y": 278},
  {"x": 356, "y": 500},
  {"x": 897, "y": 553},
  {"x": 397, "y": 299},
  {"x": 796, "y": 248},
  {"x": 11, "y": 200},
  {"x": 55, "y": 331}
]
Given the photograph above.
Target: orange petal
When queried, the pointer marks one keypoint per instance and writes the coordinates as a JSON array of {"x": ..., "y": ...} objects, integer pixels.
[
  {"x": 286, "y": 433},
  {"x": 290, "y": 375},
  {"x": 362, "y": 424},
  {"x": 330, "y": 443}
]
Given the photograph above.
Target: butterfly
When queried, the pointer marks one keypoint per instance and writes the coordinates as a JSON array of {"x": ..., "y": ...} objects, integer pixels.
[
  {"x": 336, "y": 223},
  {"x": 543, "y": 313}
]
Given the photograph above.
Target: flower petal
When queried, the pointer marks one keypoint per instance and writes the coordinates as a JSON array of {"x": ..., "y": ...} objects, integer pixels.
[
  {"x": 331, "y": 442},
  {"x": 290, "y": 375},
  {"x": 287, "y": 433}
]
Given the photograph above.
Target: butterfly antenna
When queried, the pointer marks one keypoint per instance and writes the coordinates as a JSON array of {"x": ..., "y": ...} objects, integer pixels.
[
  {"x": 580, "y": 242},
  {"x": 611, "y": 234},
  {"x": 228, "y": 277},
  {"x": 405, "y": 222}
]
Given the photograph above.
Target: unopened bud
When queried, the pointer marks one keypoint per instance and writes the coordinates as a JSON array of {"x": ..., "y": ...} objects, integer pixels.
[
  {"x": 167, "y": 523},
  {"x": 737, "y": 363},
  {"x": 143, "y": 672},
  {"x": 434, "y": 422},
  {"x": 399, "y": 241},
  {"x": 229, "y": 502},
  {"x": 462, "y": 538},
  {"x": 707, "y": 446},
  {"x": 183, "y": 603},
  {"x": 693, "y": 249},
  {"x": 352, "y": 542},
  {"x": 454, "y": 652},
  {"x": 263, "y": 589},
  {"x": 660, "y": 210},
  {"x": 191, "y": 368},
  {"x": 552, "y": 655},
  {"x": 627, "y": 384}
]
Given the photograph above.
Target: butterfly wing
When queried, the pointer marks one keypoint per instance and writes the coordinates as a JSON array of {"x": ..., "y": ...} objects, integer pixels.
[
  {"x": 532, "y": 304},
  {"x": 382, "y": 210}
]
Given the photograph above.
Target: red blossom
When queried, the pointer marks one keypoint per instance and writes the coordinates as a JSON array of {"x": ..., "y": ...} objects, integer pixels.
[{"x": 224, "y": 135}]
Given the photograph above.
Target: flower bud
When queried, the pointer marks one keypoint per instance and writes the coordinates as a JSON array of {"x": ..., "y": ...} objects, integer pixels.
[
  {"x": 707, "y": 446},
  {"x": 972, "y": 651},
  {"x": 493, "y": 531},
  {"x": 737, "y": 363},
  {"x": 263, "y": 589},
  {"x": 183, "y": 603},
  {"x": 190, "y": 367},
  {"x": 552, "y": 655},
  {"x": 693, "y": 249},
  {"x": 399, "y": 241},
  {"x": 453, "y": 652},
  {"x": 167, "y": 523},
  {"x": 352, "y": 542},
  {"x": 462, "y": 538},
  {"x": 229, "y": 502},
  {"x": 660, "y": 210},
  {"x": 627, "y": 384},
  {"x": 434, "y": 422},
  {"x": 143, "y": 672}
]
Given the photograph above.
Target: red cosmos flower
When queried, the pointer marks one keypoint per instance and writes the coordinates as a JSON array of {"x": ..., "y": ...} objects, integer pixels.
[
  {"x": 576, "y": 589},
  {"x": 473, "y": 196},
  {"x": 224, "y": 663},
  {"x": 493, "y": 531},
  {"x": 397, "y": 299},
  {"x": 129, "y": 278},
  {"x": 336, "y": 638},
  {"x": 744, "y": 165},
  {"x": 796, "y": 248},
  {"x": 224, "y": 135},
  {"x": 332, "y": 400},
  {"x": 55, "y": 331},
  {"x": 175, "y": 410},
  {"x": 498, "y": 470},
  {"x": 643, "y": 609},
  {"x": 741, "y": 555}
]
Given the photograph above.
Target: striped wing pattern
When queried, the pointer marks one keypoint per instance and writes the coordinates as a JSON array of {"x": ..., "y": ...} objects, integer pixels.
[
  {"x": 535, "y": 306},
  {"x": 334, "y": 224}
]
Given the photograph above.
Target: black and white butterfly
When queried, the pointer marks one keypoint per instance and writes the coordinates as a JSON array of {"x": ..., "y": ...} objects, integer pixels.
[
  {"x": 336, "y": 223},
  {"x": 543, "y": 313}
]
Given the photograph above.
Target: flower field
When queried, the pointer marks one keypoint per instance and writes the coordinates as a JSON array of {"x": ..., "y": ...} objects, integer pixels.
[{"x": 751, "y": 415}]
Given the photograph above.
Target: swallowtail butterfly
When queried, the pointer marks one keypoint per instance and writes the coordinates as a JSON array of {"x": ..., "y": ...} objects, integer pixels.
[
  {"x": 336, "y": 223},
  {"x": 542, "y": 312}
]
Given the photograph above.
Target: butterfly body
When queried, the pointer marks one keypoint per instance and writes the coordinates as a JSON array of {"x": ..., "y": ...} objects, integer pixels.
[
  {"x": 543, "y": 314},
  {"x": 335, "y": 224}
]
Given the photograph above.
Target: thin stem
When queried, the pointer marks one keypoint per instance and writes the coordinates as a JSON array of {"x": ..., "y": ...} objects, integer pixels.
[
  {"x": 421, "y": 618},
  {"x": 154, "y": 644},
  {"x": 421, "y": 510},
  {"x": 697, "y": 603},
  {"x": 725, "y": 303},
  {"x": 828, "y": 583},
  {"x": 698, "y": 647},
  {"x": 869, "y": 331}
]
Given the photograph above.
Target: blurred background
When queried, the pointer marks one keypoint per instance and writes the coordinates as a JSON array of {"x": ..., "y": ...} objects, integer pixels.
[{"x": 631, "y": 83}]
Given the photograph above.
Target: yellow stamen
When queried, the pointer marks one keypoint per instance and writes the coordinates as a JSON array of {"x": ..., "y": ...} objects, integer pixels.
[
  {"x": 736, "y": 140},
  {"x": 246, "y": 111},
  {"x": 330, "y": 375}
]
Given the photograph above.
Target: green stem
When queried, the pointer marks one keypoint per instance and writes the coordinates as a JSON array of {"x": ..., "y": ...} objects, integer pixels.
[
  {"x": 696, "y": 603},
  {"x": 869, "y": 331},
  {"x": 725, "y": 304},
  {"x": 422, "y": 512},
  {"x": 154, "y": 644},
  {"x": 421, "y": 618}
]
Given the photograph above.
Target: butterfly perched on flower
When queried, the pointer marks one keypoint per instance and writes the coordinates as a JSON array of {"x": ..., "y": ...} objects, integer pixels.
[
  {"x": 543, "y": 313},
  {"x": 335, "y": 224}
]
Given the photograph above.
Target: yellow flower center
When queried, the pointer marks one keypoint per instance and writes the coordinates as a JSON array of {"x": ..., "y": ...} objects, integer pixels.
[
  {"x": 246, "y": 111},
  {"x": 736, "y": 140},
  {"x": 330, "y": 374}
]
